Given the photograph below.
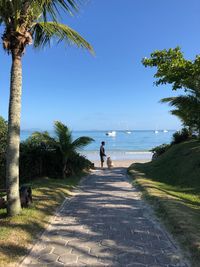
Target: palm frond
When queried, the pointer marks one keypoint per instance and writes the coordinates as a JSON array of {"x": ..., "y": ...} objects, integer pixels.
[
  {"x": 44, "y": 32},
  {"x": 167, "y": 99},
  {"x": 187, "y": 101},
  {"x": 63, "y": 135},
  {"x": 43, "y": 137},
  {"x": 52, "y": 8},
  {"x": 81, "y": 142}
]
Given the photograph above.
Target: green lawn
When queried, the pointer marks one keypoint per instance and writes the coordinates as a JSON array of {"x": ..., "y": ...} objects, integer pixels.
[
  {"x": 172, "y": 185},
  {"x": 18, "y": 233}
]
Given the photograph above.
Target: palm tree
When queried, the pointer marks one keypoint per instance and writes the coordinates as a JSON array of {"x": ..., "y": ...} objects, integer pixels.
[
  {"x": 26, "y": 22},
  {"x": 68, "y": 147},
  {"x": 187, "y": 109}
]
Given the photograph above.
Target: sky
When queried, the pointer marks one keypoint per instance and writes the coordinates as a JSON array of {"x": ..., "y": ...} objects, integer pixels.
[{"x": 111, "y": 90}]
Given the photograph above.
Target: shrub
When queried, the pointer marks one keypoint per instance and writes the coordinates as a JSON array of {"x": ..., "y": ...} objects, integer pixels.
[
  {"x": 78, "y": 163},
  {"x": 37, "y": 160},
  {"x": 159, "y": 150},
  {"x": 3, "y": 141},
  {"x": 181, "y": 136}
]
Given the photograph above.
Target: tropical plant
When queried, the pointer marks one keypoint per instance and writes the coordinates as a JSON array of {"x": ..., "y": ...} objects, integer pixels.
[
  {"x": 181, "y": 136},
  {"x": 173, "y": 68},
  {"x": 187, "y": 109},
  {"x": 25, "y": 22},
  {"x": 39, "y": 159},
  {"x": 67, "y": 145},
  {"x": 3, "y": 141},
  {"x": 63, "y": 141},
  {"x": 3, "y": 136},
  {"x": 159, "y": 150}
]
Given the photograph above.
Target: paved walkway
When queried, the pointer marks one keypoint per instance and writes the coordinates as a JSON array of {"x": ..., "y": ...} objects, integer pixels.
[{"x": 105, "y": 224}]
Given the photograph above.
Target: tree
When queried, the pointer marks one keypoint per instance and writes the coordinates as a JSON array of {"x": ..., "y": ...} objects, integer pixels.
[
  {"x": 63, "y": 140},
  {"x": 67, "y": 146},
  {"x": 173, "y": 68},
  {"x": 187, "y": 109},
  {"x": 26, "y": 22}
]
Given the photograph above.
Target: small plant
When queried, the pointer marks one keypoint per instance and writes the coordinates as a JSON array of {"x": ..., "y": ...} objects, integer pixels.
[
  {"x": 159, "y": 150},
  {"x": 181, "y": 136},
  {"x": 78, "y": 163}
]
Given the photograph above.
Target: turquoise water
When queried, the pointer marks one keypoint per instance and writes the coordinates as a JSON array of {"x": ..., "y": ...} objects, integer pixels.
[{"x": 123, "y": 146}]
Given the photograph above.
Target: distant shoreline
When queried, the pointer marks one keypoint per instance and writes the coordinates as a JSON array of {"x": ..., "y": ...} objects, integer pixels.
[
  {"x": 120, "y": 155},
  {"x": 136, "y": 144}
]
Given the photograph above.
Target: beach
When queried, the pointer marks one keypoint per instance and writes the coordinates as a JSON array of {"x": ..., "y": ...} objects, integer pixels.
[
  {"x": 124, "y": 149},
  {"x": 120, "y": 163}
]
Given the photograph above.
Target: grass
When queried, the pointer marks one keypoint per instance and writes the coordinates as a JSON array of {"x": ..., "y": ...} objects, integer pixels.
[
  {"x": 18, "y": 233},
  {"x": 172, "y": 185}
]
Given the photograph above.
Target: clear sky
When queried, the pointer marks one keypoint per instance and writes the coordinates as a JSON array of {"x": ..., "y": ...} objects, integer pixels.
[{"x": 111, "y": 90}]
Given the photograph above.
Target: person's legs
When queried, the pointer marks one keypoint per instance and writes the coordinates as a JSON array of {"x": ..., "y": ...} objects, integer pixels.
[{"x": 102, "y": 162}]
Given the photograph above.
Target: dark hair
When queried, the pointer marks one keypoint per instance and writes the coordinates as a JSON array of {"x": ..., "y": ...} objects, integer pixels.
[{"x": 103, "y": 143}]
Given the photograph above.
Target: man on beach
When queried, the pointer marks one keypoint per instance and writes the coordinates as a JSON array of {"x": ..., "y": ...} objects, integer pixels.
[{"x": 102, "y": 153}]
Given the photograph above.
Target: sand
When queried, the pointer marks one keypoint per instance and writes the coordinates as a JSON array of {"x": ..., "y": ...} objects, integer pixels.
[{"x": 120, "y": 163}]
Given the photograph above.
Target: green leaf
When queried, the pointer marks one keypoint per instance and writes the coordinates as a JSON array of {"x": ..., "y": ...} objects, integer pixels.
[{"x": 44, "y": 32}]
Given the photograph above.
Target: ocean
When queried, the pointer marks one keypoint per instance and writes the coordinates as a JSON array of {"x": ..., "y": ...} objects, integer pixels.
[{"x": 122, "y": 146}]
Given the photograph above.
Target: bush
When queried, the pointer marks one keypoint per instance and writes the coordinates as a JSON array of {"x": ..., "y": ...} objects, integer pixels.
[
  {"x": 3, "y": 141},
  {"x": 37, "y": 160},
  {"x": 40, "y": 156},
  {"x": 78, "y": 163},
  {"x": 181, "y": 136},
  {"x": 159, "y": 150}
]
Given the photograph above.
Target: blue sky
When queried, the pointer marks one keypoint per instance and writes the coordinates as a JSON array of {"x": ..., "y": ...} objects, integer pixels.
[{"x": 111, "y": 90}]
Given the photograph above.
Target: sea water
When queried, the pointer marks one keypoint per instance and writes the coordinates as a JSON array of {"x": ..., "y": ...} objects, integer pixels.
[{"x": 123, "y": 146}]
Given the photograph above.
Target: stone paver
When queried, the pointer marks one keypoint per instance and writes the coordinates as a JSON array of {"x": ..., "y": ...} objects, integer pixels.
[{"x": 105, "y": 224}]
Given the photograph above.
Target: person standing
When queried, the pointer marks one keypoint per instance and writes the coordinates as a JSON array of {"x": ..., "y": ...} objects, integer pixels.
[{"x": 102, "y": 153}]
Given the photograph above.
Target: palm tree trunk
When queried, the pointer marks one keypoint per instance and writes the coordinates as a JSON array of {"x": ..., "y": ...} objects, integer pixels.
[{"x": 12, "y": 155}]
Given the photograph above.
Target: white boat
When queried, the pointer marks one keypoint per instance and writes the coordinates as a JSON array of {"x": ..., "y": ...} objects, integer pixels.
[
  {"x": 165, "y": 131},
  {"x": 128, "y": 132},
  {"x": 156, "y": 131},
  {"x": 111, "y": 133}
]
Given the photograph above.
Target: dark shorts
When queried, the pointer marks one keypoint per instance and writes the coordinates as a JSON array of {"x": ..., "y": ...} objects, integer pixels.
[{"x": 102, "y": 158}]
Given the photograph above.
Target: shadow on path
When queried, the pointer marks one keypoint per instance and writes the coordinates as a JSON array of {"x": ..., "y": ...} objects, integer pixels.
[{"x": 105, "y": 224}]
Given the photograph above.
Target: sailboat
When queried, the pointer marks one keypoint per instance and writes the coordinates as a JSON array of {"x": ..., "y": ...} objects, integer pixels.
[
  {"x": 165, "y": 131},
  {"x": 111, "y": 133}
]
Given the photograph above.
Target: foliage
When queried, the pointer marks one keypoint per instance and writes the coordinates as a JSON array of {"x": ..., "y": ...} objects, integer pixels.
[
  {"x": 178, "y": 137},
  {"x": 159, "y": 150},
  {"x": 78, "y": 162},
  {"x": 173, "y": 68},
  {"x": 27, "y": 22},
  {"x": 42, "y": 155},
  {"x": 24, "y": 23},
  {"x": 36, "y": 160},
  {"x": 181, "y": 136},
  {"x": 187, "y": 109},
  {"x": 67, "y": 146},
  {"x": 53, "y": 156},
  {"x": 3, "y": 136},
  {"x": 3, "y": 141}
]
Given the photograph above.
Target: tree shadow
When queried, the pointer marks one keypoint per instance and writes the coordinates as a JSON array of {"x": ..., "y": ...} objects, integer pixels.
[{"x": 107, "y": 223}]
